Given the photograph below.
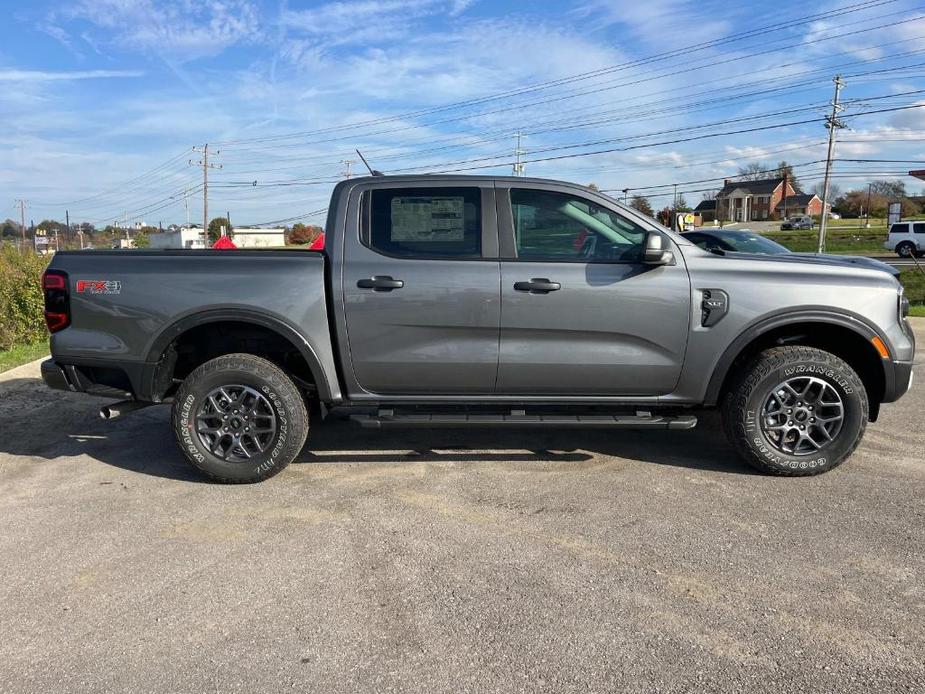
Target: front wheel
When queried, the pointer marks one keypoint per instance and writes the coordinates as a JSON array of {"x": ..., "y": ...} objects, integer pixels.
[
  {"x": 795, "y": 411},
  {"x": 239, "y": 418}
]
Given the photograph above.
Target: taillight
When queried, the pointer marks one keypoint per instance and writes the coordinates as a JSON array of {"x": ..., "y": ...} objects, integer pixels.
[{"x": 57, "y": 300}]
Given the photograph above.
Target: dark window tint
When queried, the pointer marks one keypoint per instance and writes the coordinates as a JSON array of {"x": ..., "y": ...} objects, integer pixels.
[
  {"x": 901, "y": 228},
  {"x": 919, "y": 228},
  {"x": 558, "y": 226},
  {"x": 426, "y": 222}
]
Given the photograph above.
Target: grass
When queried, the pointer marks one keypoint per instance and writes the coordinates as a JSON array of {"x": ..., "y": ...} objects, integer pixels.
[
  {"x": 22, "y": 354},
  {"x": 917, "y": 311}
]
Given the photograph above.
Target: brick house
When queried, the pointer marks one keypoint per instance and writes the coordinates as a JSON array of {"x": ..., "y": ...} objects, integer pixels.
[
  {"x": 743, "y": 201},
  {"x": 800, "y": 205}
]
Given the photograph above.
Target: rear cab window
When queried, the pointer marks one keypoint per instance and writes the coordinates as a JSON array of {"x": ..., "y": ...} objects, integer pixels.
[{"x": 418, "y": 222}]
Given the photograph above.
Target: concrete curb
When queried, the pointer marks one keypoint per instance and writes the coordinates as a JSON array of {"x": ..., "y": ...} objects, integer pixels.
[{"x": 30, "y": 370}]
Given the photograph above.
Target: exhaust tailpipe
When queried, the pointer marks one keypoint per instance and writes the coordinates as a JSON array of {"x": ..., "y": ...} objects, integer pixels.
[{"x": 117, "y": 409}]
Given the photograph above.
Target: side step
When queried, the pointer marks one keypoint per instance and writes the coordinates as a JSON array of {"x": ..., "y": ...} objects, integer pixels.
[{"x": 642, "y": 420}]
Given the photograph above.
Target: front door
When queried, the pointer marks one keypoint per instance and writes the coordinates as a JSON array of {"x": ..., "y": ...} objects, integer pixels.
[
  {"x": 581, "y": 314},
  {"x": 421, "y": 290}
]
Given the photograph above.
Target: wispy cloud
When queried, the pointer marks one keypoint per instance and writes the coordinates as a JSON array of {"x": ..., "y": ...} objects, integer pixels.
[
  {"x": 183, "y": 30},
  {"x": 46, "y": 76}
]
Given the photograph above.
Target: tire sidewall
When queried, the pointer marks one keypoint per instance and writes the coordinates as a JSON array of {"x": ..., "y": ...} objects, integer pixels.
[
  {"x": 278, "y": 453},
  {"x": 848, "y": 389}
]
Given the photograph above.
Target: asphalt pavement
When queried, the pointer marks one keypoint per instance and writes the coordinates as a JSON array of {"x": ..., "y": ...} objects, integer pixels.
[{"x": 454, "y": 561}]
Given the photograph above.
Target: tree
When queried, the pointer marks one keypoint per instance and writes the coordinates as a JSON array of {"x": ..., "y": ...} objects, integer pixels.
[
  {"x": 50, "y": 226},
  {"x": 753, "y": 172},
  {"x": 10, "y": 229},
  {"x": 641, "y": 203},
  {"x": 215, "y": 229},
  {"x": 757, "y": 171},
  {"x": 681, "y": 205},
  {"x": 890, "y": 189},
  {"x": 785, "y": 169},
  {"x": 835, "y": 191},
  {"x": 593, "y": 186},
  {"x": 304, "y": 233}
]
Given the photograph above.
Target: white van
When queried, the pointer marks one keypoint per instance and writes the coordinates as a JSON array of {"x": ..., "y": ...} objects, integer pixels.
[{"x": 906, "y": 238}]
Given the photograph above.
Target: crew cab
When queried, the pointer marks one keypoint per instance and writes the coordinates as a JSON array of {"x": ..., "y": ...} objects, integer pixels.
[{"x": 458, "y": 301}]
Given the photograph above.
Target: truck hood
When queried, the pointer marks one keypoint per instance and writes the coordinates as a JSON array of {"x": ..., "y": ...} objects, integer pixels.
[{"x": 857, "y": 261}]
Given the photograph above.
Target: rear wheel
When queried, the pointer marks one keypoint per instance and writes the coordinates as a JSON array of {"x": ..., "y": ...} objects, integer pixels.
[
  {"x": 796, "y": 411},
  {"x": 239, "y": 418},
  {"x": 905, "y": 249}
]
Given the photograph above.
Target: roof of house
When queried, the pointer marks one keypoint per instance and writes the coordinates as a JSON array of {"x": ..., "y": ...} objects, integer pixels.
[
  {"x": 762, "y": 186},
  {"x": 798, "y": 200},
  {"x": 705, "y": 205}
]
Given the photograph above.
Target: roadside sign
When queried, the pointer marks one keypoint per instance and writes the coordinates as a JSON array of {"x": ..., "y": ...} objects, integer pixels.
[{"x": 895, "y": 213}]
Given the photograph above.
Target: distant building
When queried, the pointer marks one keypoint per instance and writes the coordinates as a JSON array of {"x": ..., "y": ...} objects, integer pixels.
[
  {"x": 800, "y": 205},
  {"x": 255, "y": 237},
  {"x": 183, "y": 237},
  {"x": 706, "y": 210},
  {"x": 743, "y": 201}
]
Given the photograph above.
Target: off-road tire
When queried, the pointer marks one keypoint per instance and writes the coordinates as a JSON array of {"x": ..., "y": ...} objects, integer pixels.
[
  {"x": 744, "y": 400},
  {"x": 280, "y": 396}
]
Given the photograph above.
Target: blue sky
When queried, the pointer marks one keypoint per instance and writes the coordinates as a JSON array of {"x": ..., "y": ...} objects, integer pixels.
[{"x": 101, "y": 100}]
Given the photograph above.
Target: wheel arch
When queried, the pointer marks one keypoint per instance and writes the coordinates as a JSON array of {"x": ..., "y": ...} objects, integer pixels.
[
  {"x": 159, "y": 358},
  {"x": 846, "y": 335}
]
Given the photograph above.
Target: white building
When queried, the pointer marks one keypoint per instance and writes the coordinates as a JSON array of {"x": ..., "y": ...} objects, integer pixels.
[
  {"x": 254, "y": 237},
  {"x": 184, "y": 237}
]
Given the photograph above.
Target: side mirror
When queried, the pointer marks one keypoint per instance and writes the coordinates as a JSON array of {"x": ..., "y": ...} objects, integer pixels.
[{"x": 655, "y": 252}]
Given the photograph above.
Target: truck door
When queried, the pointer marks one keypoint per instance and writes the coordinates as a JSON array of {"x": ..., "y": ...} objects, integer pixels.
[
  {"x": 421, "y": 289},
  {"x": 581, "y": 314}
]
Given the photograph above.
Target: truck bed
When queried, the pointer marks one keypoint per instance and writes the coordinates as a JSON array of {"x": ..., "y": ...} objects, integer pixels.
[{"x": 114, "y": 319}]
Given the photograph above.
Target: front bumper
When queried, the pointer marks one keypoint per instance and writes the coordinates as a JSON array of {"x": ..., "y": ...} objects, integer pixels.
[{"x": 897, "y": 379}]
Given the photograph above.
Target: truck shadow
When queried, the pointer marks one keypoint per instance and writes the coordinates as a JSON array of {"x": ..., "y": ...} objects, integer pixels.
[{"x": 63, "y": 427}]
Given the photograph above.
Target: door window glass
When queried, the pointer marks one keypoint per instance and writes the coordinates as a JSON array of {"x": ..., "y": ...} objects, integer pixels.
[
  {"x": 425, "y": 222},
  {"x": 919, "y": 228},
  {"x": 562, "y": 227}
]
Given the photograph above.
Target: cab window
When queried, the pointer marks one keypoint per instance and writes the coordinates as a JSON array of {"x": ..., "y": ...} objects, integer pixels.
[{"x": 561, "y": 227}]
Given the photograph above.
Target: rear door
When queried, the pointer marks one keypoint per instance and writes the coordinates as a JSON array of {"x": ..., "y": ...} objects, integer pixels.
[
  {"x": 421, "y": 288},
  {"x": 581, "y": 314}
]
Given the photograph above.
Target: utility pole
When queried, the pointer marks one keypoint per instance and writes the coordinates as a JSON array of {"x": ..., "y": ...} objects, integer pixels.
[
  {"x": 674, "y": 200},
  {"x": 867, "y": 223},
  {"x": 22, "y": 220},
  {"x": 205, "y": 165},
  {"x": 832, "y": 123},
  {"x": 519, "y": 165},
  {"x": 347, "y": 164},
  {"x": 625, "y": 192}
]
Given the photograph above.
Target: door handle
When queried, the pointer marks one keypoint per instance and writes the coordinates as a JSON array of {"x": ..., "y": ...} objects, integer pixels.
[
  {"x": 380, "y": 283},
  {"x": 538, "y": 285}
]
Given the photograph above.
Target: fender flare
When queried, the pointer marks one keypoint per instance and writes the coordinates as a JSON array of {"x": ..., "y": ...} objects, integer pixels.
[
  {"x": 845, "y": 319},
  {"x": 239, "y": 315}
]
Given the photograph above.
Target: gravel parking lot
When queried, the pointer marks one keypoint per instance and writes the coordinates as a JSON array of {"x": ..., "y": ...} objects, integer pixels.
[{"x": 454, "y": 561}]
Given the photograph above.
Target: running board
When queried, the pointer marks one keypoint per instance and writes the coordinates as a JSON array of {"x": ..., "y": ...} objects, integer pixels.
[{"x": 387, "y": 418}]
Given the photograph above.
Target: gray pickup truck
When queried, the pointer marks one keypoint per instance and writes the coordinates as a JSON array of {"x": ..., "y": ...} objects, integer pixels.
[{"x": 446, "y": 301}]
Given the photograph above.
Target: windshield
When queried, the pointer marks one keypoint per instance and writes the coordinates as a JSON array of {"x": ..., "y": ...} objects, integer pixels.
[{"x": 746, "y": 242}]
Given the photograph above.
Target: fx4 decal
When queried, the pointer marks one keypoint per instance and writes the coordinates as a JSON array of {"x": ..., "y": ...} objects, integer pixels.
[{"x": 99, "y": 287}]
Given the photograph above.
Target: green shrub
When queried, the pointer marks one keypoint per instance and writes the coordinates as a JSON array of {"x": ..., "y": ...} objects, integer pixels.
[{"x": 21, "y": 300}]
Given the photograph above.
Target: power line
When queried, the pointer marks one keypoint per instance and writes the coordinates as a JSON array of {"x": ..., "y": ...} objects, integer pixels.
[{"x": 686, "y": 51}]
